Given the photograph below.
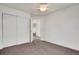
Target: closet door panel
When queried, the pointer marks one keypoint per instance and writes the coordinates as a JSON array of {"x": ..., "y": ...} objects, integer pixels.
[
  {"x": 22, "y": 30},
  {"x": 9, "y": 30},
  {"x": 0, "y": 30}
]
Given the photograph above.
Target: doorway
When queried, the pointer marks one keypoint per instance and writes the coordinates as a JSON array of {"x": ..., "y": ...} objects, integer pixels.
[{"x": 35, "y": 29}]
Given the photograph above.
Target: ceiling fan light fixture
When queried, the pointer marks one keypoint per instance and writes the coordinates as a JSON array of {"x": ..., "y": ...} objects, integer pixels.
[{"x": 43, "y": 7}]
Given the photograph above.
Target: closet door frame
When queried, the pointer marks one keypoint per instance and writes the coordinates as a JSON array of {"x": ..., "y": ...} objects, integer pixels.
[{"x": 1, "y": 30}]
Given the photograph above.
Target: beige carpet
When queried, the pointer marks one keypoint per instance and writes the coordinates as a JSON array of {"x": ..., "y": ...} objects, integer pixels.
[{"x": 38, "y": 47}]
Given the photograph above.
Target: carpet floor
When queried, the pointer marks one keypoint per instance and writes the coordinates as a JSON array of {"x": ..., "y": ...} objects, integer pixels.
[{"x": 38, "y": 47}]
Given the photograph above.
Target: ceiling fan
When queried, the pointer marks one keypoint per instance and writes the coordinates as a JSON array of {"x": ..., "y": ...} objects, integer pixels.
[{"x": 43, "y": 7}]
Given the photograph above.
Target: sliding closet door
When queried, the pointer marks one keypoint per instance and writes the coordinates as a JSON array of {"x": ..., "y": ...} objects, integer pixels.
[
  {"x": 9, "y": 30},
  {"x": 22, "y": 30},
  {"x": 0, "y": 30}
]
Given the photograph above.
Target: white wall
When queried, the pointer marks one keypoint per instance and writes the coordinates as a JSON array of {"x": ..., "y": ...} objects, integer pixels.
[
  {"x": 10, "y": 10},
  {"x": 62, "y": 27}
]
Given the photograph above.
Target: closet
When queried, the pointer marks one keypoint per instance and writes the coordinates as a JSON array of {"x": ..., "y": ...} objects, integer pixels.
[{"x": 13, "y": 30}]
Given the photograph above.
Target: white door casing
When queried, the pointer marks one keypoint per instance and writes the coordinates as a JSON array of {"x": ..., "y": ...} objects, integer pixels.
[{"x": 0, "y": 30}]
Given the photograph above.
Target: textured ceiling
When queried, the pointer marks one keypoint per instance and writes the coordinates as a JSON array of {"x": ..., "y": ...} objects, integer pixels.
[{"x": 32, "y": 7}]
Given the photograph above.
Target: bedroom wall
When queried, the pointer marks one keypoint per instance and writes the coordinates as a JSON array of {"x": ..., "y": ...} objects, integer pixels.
[
  {"x": 62, "y": 27},
  {"x": 13, "y": 11}
]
